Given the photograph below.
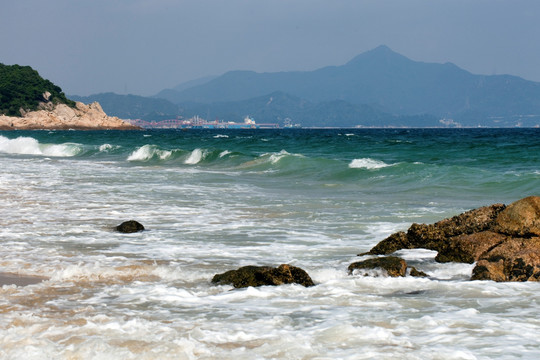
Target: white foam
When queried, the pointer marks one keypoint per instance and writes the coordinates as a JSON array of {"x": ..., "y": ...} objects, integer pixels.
[
  {"x": 218, "y": 136},
  {"x": 30, "y": 146},
  {"x": 367, "y": 163},
  {"x": 108, "y": 147},
  {"x": 147, "y": 152},
  {"x": 224, "y": 153},
  {"x": 276, "y": 157},
  {"x": 195, "y": 157}
]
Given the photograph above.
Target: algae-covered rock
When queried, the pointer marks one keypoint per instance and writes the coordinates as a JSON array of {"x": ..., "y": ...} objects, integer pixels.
[{"x": 264, "y": 275}]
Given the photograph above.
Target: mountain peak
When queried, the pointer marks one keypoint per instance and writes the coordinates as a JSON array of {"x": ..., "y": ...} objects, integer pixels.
[{"x": 380, "y": 53}]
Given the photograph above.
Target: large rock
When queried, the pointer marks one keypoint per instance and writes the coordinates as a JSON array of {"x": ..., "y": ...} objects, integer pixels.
[
  {"x": 504, "y": 241},
  {"x": 392, "y": 265},
  {"x": 516, "y": 259},
  {"x": 264, "y": 275},
  {"x": 435, "y": 236},
  {"x": 468, "y": 248},
  {"x": 521, "y": 218}
]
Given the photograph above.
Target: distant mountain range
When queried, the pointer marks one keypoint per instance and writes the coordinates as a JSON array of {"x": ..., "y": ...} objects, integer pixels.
[{"x": 377, "y": 88}]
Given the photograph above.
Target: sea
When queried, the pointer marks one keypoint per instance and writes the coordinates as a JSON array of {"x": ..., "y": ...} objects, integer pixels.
[{"x": 216, "y": 200}]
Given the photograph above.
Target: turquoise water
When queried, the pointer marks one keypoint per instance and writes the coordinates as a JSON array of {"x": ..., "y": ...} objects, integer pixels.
[{"x": 216, "y": 200}]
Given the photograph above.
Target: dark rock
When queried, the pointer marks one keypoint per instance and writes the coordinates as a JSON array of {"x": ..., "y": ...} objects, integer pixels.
[
  {"x": 416, "y": 273},
  {"x": 130, "y": 226},
  {"x": 393, "y": 265},
  {"x": 264, "y": 275}
]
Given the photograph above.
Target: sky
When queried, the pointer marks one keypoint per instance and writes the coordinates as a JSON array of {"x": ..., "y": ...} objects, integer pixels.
[{"x": 144, "y": 46}]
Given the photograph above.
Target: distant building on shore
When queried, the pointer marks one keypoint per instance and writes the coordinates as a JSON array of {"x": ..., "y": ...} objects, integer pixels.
[{"x": 197, "y": 122}]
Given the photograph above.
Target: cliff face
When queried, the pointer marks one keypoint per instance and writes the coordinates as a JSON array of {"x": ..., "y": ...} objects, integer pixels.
[{"x": 63, "y": 117}]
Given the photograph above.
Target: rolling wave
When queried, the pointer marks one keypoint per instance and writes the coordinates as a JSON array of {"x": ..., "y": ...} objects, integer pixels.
[{"x": 31, "y": 146}]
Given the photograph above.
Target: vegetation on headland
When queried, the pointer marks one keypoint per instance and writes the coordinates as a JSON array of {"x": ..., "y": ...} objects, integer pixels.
[{"x": 22, "y": 88}]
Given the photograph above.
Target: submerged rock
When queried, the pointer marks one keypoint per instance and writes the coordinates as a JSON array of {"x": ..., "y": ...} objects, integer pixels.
[
  {"x": 130, "y": 226},
  {"x": 418, "y": 273},
  {"x": 264, "y": 275},
  {"x": 504, "y": 241},
  {"x": 393, "y": 265}
]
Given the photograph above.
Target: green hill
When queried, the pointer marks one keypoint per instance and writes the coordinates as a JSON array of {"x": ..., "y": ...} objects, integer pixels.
[{"x": 21, "y": 87}]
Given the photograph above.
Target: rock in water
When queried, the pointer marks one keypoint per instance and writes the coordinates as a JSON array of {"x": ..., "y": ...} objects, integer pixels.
[
  {"x": 503, "y": 241},
  {"x": 435, "y": 236},
  {"x": 264, "y": 275},
  {"x": 393, "y": 265},
  {"x": 130, "y": 226}
]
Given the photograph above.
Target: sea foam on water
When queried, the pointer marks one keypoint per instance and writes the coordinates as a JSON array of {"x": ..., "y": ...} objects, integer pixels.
[{"x": 149, "y": 295}]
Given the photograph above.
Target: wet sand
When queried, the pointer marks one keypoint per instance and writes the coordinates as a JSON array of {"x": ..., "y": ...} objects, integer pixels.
[{"x": 19, "y": 280}]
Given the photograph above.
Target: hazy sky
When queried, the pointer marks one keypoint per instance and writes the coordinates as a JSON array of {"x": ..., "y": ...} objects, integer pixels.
[{"x": 144, "y": 46}]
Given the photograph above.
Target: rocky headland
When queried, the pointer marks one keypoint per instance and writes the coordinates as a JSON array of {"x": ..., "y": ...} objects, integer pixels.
[
  {"x": 51, "y": 116},
  {"x": 503, "y": 241}
]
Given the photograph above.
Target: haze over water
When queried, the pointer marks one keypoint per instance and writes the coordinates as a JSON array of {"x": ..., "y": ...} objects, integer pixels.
[{"x": 213, "y": 201}]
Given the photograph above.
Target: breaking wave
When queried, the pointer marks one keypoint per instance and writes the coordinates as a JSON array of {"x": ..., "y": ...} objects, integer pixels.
[
  {"x": 148, "y": 152},
  {"x": 30, "y": 146},
  {"x": 367, "y": 163},
  {"x": 195, "y": 157}
]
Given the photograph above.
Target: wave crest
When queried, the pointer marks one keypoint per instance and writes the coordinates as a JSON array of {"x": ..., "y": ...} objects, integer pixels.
[
  {"x": 367, "y": 163},
  {"x": 195, "y": 157},
  {"x": 30, "y": 146},
  {"x": 148, "y": 152}
]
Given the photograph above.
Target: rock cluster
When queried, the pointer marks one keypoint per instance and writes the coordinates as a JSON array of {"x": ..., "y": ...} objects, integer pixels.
[
  {"x": 63, "y": 117},
  {"x": 264, "y": 275},
  {"x": 504, "y": 241}
]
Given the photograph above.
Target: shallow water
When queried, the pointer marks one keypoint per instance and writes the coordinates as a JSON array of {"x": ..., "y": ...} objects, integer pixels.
[{"x": 213, "y": 201}]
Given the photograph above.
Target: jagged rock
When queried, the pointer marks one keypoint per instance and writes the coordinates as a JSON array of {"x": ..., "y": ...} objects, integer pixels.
[
  {"x": 504, "y": 241},
  {"x": 434, "y": 236},
  {"x": 130, "y": 226},
  {"x": 393, "y": 265},
  {"x": 264, "y": 275}
]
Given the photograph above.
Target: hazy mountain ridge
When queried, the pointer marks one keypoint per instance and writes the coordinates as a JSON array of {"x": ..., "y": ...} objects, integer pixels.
[
  {"x": 377, "y": 88},
  {"x": 388, "y": 80}
]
